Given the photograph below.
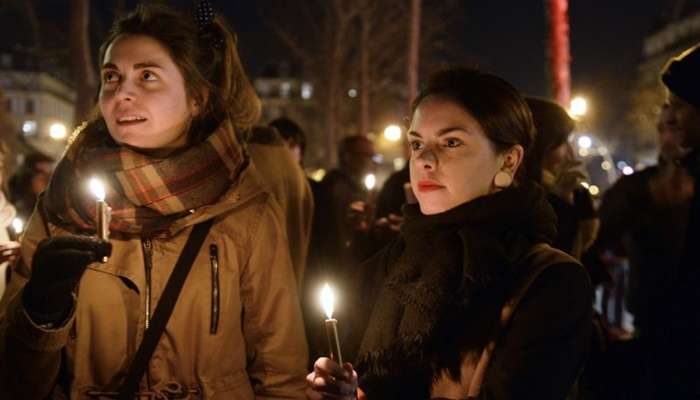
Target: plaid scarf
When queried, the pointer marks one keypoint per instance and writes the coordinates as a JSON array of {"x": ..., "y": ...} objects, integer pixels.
[{"x": 146, "y": 193}]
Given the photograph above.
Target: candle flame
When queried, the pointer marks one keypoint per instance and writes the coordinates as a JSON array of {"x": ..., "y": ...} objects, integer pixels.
[
  {"x": 17, "y": 225},
  {"x": 97, "y": 188},
  {"x": 370, "y": 181},
  {"x": 327, "y": 300}
]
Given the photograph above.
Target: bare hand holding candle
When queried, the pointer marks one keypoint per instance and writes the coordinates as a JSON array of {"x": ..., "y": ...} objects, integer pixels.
[
  {"x": 103, "y": 211},
  {"x": 328, "y": 301}
]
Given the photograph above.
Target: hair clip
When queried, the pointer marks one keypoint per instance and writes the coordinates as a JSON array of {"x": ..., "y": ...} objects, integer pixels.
[
  {"x": 203, "y": 14},
  {"x": 203, "y": 17}
]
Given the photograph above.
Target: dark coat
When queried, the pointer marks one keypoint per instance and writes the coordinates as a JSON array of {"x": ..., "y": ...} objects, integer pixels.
[{"x": 538, "y": 356}]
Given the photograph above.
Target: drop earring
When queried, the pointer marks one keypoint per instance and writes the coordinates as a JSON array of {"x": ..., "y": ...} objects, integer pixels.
[{"x": 502, "y": 180}]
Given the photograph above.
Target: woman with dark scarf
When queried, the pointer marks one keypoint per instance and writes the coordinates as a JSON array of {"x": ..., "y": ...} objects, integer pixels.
[
  {"x": 470, "y": 301},
  {"x": 173, "y": 95}
]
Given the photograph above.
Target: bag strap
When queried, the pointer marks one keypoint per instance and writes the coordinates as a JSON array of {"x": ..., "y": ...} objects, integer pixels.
[
  {"x": 546, "y": 257},
  {"x": 164, "y": 309}
]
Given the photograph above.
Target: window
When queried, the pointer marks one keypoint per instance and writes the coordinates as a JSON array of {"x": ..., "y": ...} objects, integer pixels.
[{"x": 29, "y": 106}]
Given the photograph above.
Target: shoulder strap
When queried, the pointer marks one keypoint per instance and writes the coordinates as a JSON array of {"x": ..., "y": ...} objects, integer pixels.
[
  {"x": 545, "y": 256},
  {"x": 164, "y": 309}
]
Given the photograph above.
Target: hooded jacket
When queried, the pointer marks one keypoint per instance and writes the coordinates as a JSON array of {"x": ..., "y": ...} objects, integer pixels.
[{"x": 256, "y": 350}]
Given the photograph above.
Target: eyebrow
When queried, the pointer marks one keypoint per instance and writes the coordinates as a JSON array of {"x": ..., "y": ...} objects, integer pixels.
[
  {"x": 442, "y": 131},
  {"x": 142, "y": 65}
]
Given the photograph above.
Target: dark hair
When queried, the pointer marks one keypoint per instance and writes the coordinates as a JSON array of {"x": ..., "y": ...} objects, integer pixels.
[
  {"x": 213, "y": 75},
  {"x": 496, "y": 105},
  {"x": 348, "y": 142},
  {"x": 290, "y": 132},
  {"x": 553, "y": 126}
]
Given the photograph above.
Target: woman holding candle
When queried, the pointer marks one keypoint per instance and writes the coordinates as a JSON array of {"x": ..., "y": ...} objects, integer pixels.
[
  {"x": 173, "y": 96},
  {"x": 469, "y": 301}
]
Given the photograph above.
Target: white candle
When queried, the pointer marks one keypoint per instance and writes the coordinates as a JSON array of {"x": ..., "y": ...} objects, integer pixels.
[
  {"x": 17, "y": 228},
  {"x": 103, "y": 211},
  {"x": 328, "y": 302}
]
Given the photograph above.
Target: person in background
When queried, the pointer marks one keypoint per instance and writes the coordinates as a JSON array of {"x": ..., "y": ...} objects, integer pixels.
[
  {"x": 282, "y": 172},
  {"x": 172, "y": 96},
  {"x": 674, "y": 323},
  {"x": 9, "y": 248},
  {"x": 552, "y": 164},
  {"x": 29, "y": 181},
  {"x": 469, "y": 301},
  {"x": 293, "y": 136}
]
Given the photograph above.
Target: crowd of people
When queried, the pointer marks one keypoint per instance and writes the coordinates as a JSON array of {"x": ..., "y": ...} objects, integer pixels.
[{"x": 470, "y": 276}]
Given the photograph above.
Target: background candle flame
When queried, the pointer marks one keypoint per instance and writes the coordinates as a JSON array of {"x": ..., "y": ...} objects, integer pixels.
[
  {"x": 97, "y": 188},
  {"x": 370, "y": 181},
  {"x": 17, "y": 225},
  {"x": 327, "y": 300}
]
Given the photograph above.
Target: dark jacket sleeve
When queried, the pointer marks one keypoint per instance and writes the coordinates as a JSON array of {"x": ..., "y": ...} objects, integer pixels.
[{"x": 546, "y": 344}]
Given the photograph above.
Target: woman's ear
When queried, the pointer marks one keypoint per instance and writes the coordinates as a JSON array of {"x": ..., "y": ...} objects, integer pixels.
[
  {"x": 512, "y": 159},
  {"x": 198, "y": 103}
]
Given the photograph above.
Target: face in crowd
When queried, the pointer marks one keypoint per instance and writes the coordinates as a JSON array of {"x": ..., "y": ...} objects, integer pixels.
[
  {"x": 143, "y": 98},
  {"x": 452, "y": 159},
  {"x": 670, "y": 138},
  {"x": 686, "y": 119}
]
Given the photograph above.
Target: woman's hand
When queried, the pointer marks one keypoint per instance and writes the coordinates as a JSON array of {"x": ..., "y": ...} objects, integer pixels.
[
  {"x": 9, "y": 252},
  {"x": 331, "y": 381},
  {"x": 57, "y": 266}
]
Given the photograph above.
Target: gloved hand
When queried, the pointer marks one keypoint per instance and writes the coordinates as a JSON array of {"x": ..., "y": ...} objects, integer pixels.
[{"x": 58, "y": 264}]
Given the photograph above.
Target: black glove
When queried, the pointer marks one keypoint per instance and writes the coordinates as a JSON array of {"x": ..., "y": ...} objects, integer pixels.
[{"x": 57, "y": 266}]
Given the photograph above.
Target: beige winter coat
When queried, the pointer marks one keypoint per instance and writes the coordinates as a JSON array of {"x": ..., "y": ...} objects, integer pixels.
[{"x": 258, "y": 350}]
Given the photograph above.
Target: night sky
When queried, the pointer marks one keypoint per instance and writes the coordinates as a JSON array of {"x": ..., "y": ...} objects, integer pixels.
[{"x": 504, "y": 37}]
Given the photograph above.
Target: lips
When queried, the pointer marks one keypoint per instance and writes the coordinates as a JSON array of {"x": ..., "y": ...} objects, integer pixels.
[
  {"x": 428, "y": 185},
  {"x": 130, "y": 119}
]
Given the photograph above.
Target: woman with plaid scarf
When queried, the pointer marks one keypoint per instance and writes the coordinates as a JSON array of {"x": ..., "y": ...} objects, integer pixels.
[{"x": 173, "y": 95}]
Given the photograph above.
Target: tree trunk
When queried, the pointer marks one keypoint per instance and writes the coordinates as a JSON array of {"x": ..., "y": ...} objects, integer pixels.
[
  {"x": 365, "y": 85},
  {"x": 413, "y": 48},
  {"x": 83, "y": 72},
  {"x": 560, "y": 58}
]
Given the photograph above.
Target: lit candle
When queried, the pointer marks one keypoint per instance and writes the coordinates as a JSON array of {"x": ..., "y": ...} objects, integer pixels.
[
  {"x": 103, "y": 213},
  {"x": 17, "y": 228},
  {"x": 328, "y": 301},
  {"x": 370, "y": 182}
]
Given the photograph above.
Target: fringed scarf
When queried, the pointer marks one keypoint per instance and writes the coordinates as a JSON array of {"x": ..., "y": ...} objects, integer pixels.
[
  {"x": 146, "y": 193},
  {"x": 441, "y": 298}
]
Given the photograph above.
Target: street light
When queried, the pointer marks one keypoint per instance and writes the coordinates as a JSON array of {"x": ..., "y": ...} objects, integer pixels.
[
  {"x": 57, "y": 131},
  {"x": 392, "y": 133},
  {"x": 578, "y": 107}
]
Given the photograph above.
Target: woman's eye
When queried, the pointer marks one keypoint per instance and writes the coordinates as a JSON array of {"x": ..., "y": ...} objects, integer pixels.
[
  {"x": 453, "y": 142},
  {"x": 416, "y": 145},
  {"x": 149, "y": 76},
  {"x": 110, "y": 77}
]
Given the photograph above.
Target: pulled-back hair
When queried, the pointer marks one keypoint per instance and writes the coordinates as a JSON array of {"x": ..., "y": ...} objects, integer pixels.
[
  {"x": 208, "y": 62},
  {"x": 494, "y": 103}
]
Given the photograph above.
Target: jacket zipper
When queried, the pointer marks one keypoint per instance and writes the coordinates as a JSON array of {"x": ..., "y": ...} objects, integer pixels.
[
  {"x": 147, "y": 257},
  {"x": 214, "y": 258},
  {"x": 147, "y": 245}
]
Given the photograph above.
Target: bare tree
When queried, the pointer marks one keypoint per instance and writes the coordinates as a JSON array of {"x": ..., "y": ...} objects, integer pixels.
[{"x": 83, "y": 72}]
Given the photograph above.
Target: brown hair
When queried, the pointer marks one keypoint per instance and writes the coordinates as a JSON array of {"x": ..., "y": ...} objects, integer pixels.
[
  {"x": 208, "y": 61},
  {"x": 496, "y": 105}
]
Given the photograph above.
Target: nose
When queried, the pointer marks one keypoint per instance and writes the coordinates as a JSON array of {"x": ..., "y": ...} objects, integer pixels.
[
  {"x": 125, "y": 91},
  {"x": 426, "y": 159}
]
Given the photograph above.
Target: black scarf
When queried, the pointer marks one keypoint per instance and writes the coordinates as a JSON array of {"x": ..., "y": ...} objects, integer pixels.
[{"x": 442, "y": 296}]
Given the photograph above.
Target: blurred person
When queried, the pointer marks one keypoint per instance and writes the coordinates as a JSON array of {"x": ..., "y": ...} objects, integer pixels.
[
  {"x": 553, "y": 165},
  {"x": 291, "y": 189},
  {"x": 339, "y": 188},
  {"x": 650, "y": 235},
  {"x": 674, "y": 325},
  {"x": 29, "y": 181},
  {"x": 470, "y": 301},
  {"x": 9, "y": 248},
  {"x": 293, "y": 136},
  {"x": 173, "y": 94}
]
